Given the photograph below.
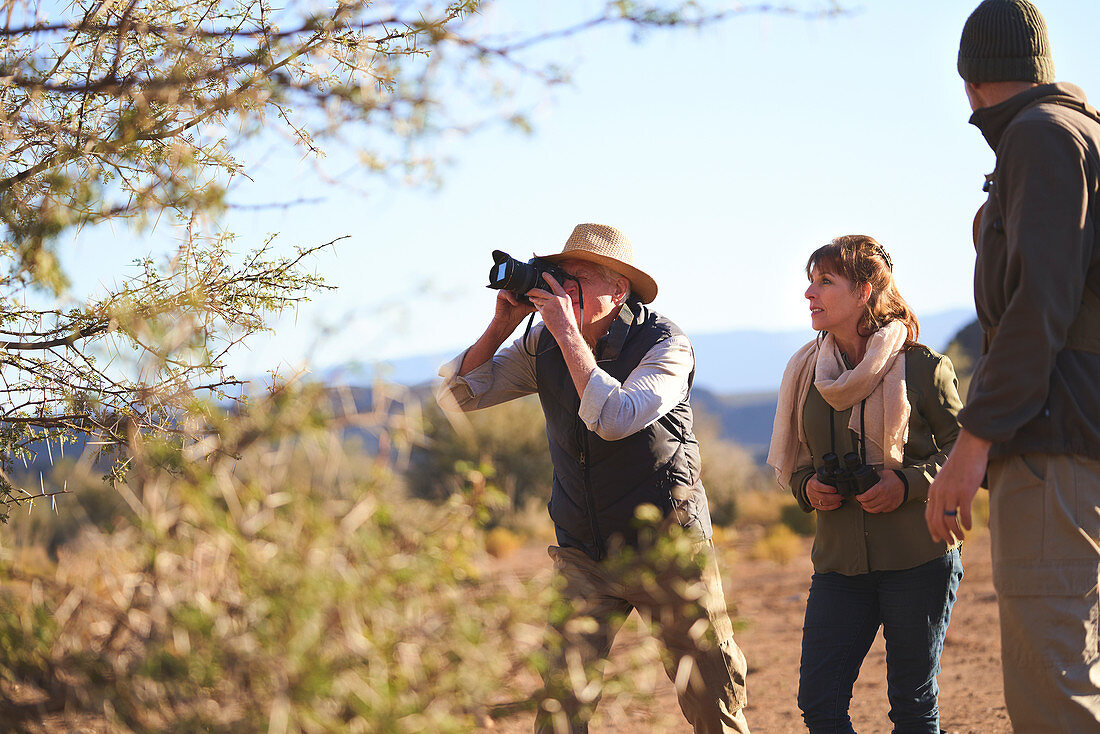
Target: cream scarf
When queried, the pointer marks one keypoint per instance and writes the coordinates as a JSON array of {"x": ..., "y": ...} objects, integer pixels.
[{"x": 879, "y": 379}]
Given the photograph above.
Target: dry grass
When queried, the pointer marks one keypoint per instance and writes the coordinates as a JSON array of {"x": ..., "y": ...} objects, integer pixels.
[{"x": 760, "y": 507}]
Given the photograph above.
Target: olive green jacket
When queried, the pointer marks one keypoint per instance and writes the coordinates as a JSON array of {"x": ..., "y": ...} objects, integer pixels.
[{"x": 851, "y": 541}]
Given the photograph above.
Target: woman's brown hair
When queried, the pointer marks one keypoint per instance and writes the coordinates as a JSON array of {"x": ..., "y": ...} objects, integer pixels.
[{"x": 861, "y": 259}]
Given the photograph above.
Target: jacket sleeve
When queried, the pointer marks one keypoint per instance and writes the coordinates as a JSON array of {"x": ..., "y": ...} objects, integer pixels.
[
  {"x": 939, "y": 405},
  {"x": 510, "y": 374},
  {"x": 614, "y": 410},
  {"x": 1043, "y": 189},
  {"x": 798, "y": 487}
]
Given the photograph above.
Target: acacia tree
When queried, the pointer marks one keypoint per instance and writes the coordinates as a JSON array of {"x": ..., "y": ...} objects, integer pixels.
[
  {"x": 131, "y": 110},
  {"x": 238, "y": 599}
]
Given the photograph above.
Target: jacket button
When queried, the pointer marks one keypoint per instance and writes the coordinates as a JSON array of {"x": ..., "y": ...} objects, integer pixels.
[{"x": 998, "y": 226}]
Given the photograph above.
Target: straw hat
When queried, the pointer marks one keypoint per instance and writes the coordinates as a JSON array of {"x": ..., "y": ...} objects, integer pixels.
[{"x": 604, "y": 245}]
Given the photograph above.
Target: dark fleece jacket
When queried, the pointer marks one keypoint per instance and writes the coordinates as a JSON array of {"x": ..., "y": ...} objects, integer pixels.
[{"x": 1037, "y": 254}]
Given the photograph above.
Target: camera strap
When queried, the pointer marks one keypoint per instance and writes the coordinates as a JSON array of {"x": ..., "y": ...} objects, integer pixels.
[{"x": 862, "y": 430}]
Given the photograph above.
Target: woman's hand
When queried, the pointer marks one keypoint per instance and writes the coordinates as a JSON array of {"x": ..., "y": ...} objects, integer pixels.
[
  {"x": 886, "y": 496},
  {"x": 822, "y": 496}
]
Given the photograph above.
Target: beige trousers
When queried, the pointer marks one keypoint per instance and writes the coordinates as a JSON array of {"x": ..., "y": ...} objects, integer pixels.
[
  {"x": 689, "y": 616},
  {"x": 1045, "y": 525}
]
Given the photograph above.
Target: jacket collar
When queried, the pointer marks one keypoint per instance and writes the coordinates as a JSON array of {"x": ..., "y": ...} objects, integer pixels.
[
  {"x": 611, "y": 344},
  {"x": 993, "y": 121}
]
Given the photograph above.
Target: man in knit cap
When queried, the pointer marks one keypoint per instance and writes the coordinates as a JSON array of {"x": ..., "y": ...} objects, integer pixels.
[
  {"x": 614, "y": 379},
  {"x": 1032, "y": 420}
]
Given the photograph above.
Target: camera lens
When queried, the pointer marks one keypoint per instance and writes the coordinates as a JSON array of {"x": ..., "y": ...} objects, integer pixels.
[{"x": 518, "y": 277}]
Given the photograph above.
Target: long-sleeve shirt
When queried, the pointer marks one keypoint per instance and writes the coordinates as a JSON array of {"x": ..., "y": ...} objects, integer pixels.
[{"x": 610, "y": 409}]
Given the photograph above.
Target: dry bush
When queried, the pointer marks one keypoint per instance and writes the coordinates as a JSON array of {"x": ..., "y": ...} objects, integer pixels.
[
  {"x": 779, "y": 544},
  {"x": 507, "y": 443},
  {"x": 761, "y": 507},
  {"x": 532, "y": 522},
  {"x": 501, "y": 542},
  {"x": 729, "y": 472},
  {"x": 79, "y": 497},
  {"x": 798, "y": 520}
]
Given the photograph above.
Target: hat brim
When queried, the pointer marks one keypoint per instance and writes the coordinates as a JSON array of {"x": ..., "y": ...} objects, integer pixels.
[{"x": 641, "y": 284}]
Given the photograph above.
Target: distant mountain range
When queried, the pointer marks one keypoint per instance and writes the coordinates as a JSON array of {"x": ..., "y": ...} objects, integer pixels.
[
  {"x": 730, "y": 362},
  {"x": 737, "y": 381}
]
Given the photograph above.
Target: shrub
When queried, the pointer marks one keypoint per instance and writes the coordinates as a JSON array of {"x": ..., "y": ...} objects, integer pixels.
[
  {"x": 802, "y": 523},
  {"x": 729, "y": 472},
  {"x": 761, "y": 507},
  {"x": 511, "y": 438},
  {"x": 501, "y": 542},
  {"x": 779, "y": 544}
]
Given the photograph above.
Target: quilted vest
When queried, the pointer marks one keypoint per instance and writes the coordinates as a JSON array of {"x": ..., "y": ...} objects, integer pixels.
[{"x": 599, "y": 484}]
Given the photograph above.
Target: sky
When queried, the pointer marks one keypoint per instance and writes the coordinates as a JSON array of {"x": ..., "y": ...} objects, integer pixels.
[{"x": 727, "y": 155}]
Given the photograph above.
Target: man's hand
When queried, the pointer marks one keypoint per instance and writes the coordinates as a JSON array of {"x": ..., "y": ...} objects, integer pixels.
[
  {"x": 886, "y": 496},
  {"x": 822, "y": 496},
  {"x": 509, "y": 311},
  {"x": 952, "y": 493},
  {"x": 556, "y": 308}
]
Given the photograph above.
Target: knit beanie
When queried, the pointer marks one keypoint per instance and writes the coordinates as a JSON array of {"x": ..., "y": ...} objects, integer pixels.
[{"x": 1005, "y": 41}]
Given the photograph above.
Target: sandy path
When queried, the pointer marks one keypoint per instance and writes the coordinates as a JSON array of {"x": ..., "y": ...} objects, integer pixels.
[{"x": 769, "y": 599}]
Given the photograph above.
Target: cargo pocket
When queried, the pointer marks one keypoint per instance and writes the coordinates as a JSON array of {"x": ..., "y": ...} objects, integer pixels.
[
  {"x": 685, "y": 511},
  {"x": 1018, "y": 510},
  {"x": 1046, "y": 557}
]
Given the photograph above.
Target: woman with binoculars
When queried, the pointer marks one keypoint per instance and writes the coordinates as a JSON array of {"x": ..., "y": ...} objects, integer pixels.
[{"x": 866, "y": 417}]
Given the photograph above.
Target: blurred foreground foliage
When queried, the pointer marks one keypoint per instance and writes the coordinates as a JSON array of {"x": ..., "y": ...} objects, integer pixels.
[
  {"x": 274, "y": 577},
  {"x": 267, "y": 581},
  {"x": 505, "y": 444}
]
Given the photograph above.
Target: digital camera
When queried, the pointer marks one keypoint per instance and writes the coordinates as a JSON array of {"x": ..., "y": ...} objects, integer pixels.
[{"x": 519, "y": 277}]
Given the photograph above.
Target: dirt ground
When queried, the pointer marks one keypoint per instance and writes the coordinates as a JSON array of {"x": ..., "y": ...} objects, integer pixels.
[{"x": 768, "y": 600}]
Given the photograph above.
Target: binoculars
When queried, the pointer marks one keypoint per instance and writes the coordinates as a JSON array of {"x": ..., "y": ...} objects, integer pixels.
[{"x": 850, "y": 479}]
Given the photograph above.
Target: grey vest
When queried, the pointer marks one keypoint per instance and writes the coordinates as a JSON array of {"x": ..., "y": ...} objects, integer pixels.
[{"x": 599, "y": 484}]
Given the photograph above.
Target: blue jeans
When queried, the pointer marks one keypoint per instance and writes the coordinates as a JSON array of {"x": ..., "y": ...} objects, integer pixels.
[{"x": 843, "y": 615}]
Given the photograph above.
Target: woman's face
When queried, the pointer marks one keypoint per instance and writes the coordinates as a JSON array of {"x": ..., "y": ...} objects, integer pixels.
[{"x": 835, "y": 306}]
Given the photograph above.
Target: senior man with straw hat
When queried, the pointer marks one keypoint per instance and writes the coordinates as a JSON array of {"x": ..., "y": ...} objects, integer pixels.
[{"x": 614, "y": 379}]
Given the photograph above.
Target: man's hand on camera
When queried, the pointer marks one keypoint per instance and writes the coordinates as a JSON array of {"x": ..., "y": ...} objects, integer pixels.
[{"x": 556, "y": 308}]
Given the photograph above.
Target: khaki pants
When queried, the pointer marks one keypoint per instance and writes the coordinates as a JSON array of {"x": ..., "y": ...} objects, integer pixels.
[
  {"x": 1045, "y": 525},
  {"x": 702, "y": 658}
]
